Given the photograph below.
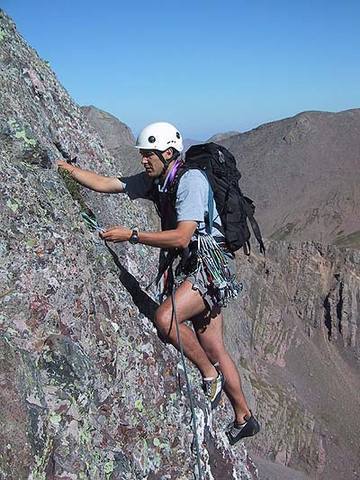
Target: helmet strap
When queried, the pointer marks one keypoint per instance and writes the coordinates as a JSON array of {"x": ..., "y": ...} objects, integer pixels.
[{"x": 166, "y": 163}]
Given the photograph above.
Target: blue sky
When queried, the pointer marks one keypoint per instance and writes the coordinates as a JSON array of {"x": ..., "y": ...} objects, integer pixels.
[{"x": 205, "y": 65}]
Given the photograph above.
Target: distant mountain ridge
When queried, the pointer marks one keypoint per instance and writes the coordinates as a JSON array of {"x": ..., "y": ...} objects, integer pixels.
[
  {"x": 303, "y": 173},
  {"x": 188, "y": 142},
  {"x": 218, "y": 137},
  {"x": 117, "y": 138},
  {"x": 116, "y": 132}
]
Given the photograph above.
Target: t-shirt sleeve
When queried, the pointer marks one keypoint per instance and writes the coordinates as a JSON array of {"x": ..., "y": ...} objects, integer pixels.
[
  {"x": 192, "y": 197},
  {"x": 137, "y": 186}
]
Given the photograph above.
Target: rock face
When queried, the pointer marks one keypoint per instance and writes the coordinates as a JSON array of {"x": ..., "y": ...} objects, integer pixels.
[
  {"x": 87, "y": 388},
  {"x": 304, "y": 174}
]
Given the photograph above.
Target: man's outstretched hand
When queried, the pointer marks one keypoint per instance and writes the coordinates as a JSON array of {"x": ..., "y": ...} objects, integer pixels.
[
  {"x": 62, "y": 164},
  {"x": 116, "y": 234}
]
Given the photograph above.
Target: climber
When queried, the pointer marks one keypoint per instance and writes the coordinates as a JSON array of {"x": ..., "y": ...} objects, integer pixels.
[{"x": 197, "y": 298}]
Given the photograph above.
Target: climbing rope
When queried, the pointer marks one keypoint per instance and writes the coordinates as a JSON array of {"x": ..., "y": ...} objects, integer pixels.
[{"x": 188, "y": 387}]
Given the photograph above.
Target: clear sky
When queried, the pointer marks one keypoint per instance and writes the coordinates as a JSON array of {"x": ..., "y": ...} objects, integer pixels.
[{"x": 207, "y": 66}]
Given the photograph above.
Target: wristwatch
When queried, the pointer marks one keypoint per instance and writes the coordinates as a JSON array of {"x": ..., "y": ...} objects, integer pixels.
[{"x": 134, "y": 239}]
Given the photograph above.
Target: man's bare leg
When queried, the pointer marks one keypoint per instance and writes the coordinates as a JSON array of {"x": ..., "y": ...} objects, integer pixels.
[
  {"x": 211, "y": 338},
  {"x": 188, "y": 302}
]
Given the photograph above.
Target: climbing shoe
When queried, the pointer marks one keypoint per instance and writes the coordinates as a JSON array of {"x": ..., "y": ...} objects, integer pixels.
[
  {"x": 213, "y": 388},
  {"x": 235, "y": 431}
]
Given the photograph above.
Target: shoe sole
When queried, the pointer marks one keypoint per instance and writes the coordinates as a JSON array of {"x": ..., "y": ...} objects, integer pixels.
[{"x": 251, "y": 428}]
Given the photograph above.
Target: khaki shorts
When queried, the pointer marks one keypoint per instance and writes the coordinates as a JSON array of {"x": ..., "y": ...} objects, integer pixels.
[{"x": 212, "y": 296}]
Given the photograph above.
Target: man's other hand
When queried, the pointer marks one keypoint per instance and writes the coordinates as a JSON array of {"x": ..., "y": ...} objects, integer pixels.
[{"x": 116, "y": 234}]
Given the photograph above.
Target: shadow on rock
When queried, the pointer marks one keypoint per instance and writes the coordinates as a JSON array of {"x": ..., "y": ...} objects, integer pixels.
[{"x": 146, "y": 305}]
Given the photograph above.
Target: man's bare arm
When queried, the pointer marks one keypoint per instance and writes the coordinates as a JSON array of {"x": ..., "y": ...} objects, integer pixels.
[
  {"x": 176, "y": 238},
  {"x": 98, "y": 183}
]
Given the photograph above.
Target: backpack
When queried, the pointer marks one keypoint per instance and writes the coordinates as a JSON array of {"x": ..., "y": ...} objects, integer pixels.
[{"x": 235, "y": 209}]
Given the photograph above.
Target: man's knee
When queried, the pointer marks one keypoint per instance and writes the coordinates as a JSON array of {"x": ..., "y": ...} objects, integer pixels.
[
  {"x": 215, "y": 353},
  {"x": 163, "y": 323}
]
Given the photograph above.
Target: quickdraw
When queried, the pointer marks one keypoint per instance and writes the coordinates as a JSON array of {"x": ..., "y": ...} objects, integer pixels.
[{"x": 214, "y": 261}]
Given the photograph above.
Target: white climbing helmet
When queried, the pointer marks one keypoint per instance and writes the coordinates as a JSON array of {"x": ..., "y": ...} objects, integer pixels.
[{"x": 160, "y": 136}]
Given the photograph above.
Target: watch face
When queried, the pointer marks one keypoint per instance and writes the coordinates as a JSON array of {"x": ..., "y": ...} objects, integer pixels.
[{"x": 134, "y": 237}]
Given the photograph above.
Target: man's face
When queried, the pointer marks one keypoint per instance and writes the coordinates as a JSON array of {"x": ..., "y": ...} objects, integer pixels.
[{"x": 152, "y": 163}]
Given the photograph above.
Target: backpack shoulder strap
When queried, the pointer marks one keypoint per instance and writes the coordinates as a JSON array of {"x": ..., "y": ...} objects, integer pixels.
[
  {"x": 209, "y": 224},
  {"x": 249, "y": 209}
]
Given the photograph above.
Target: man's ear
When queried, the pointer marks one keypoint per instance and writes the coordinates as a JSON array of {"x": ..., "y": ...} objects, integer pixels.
[{"x": 168, "y": 153}]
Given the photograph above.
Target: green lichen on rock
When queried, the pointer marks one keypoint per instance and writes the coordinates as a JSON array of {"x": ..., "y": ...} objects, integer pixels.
[
  {"x": 139, "y": 405},
  {"x": 283, "y": 232},
  {"x": 75, "y": 190},
  {"x": 22, "y": 133},
  {"x": 351, "y": 240},
  {"x": 55, "y": 419},
  {"x": 38, "y": 471},
  {"x": 109, "y": 468},
  {"x": 13, "y": 205}
]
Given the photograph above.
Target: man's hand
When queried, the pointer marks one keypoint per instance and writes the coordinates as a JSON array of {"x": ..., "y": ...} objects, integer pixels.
[
  {"x": 98, "y": 183},
  {"x": 176, "y": 238},
  {"x": 116, "y": 234},
  {"x": 65, "y": 165}
]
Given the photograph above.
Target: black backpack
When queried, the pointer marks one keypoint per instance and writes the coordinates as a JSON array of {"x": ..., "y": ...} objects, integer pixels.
[{"x": 234, "y": 208}]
